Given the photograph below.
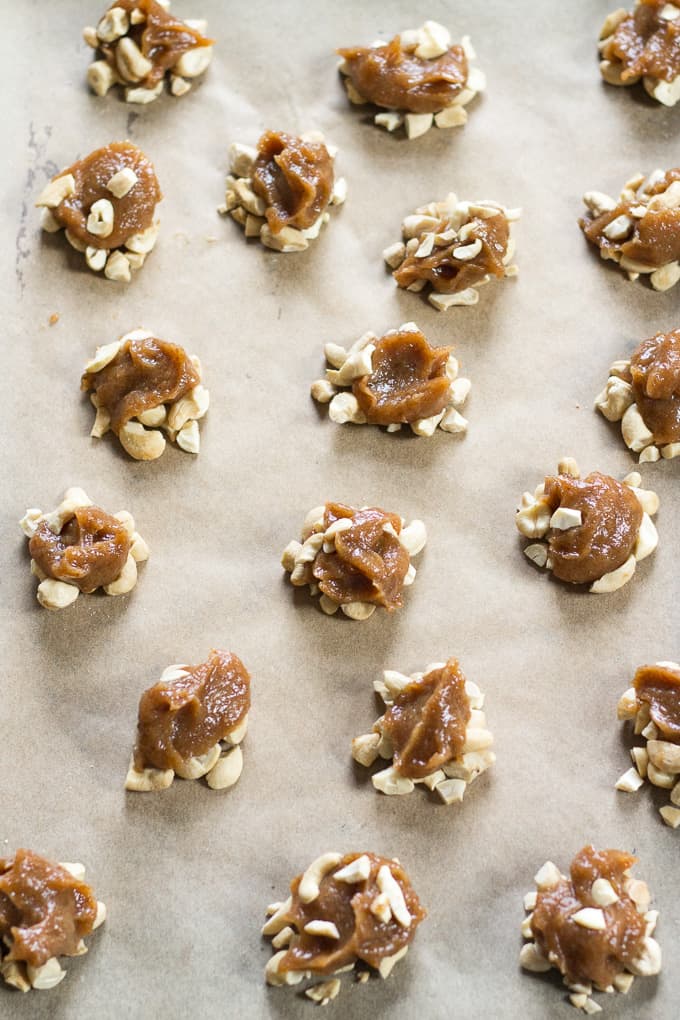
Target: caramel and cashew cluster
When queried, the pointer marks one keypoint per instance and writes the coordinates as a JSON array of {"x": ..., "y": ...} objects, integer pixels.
[
  {"x": 281, "y": 191},
  {"x": 643, "y": 43},
  {"x": 345, "y": 912},
  {"x": 596, "y": 529},
  {"x": 354, "y": 559},
  {"x": 419, "y": 79},
  {"x": 643, "y": 393},
  {"x": 139, "y": 44},
  {"x": 434, "y": 732},
  {"x": 453, "y": 248},
  {"x": 594, "y": 926},
  {"x": 106, "y": 204},
  {"x": 394, "y": 380},
  {"x": 46, "y": 911},
  {"x": 652, "y": 704},
  {"x": 641, "y": 229},
  {"x": 79, "y": 547},
  {"x": 191, "y": 724},
  {"x": 140, "y": 387}
]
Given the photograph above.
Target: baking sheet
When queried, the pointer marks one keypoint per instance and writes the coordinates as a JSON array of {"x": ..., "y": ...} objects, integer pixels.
[{"x": 186, "y": 874}]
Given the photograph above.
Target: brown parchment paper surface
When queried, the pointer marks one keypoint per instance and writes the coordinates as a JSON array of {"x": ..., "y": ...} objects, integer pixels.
[{"x": 186, "y": 873}]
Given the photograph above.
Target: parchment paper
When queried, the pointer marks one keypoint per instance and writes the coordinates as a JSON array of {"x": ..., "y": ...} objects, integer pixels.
[{"x": 186, "y": 874}]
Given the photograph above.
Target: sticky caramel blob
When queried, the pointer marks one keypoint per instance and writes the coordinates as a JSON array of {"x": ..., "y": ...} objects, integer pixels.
[
  {"x": 659, "y": 687},
  {"x": 369, "y": 563},
  {"x": 44, "y": 910},
  {"x": 655, "y": 377},
  {"x": 585, "y": 955},
  {"x": 653, "y": 238},
  {"x": 185, "y": 717},
  {"x": 161, "y": 37},
  {"x": 645, "y": 43},
  {"x": 347, "y": 905},
  {"x": 408, "y": 381},
  {"x": 144, "y": 374},
  {"x": 90, "y": 550},
  {"x": 445, "y": 272},
  {"x": 611, "y": 516},
  {"x": 427, "y": 721},
  {"x": 395, "y": 78},
  {"x": 294, "y": 177},
  {"x": 132, "y": 214}
]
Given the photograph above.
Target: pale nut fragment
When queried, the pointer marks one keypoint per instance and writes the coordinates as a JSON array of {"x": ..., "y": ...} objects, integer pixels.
[
  {"x": 188, "y": 438},
  {"x": 139, "y": 550},
  {"x": 365, "y": 748},
  {"x": 615, "y": 579},
  {"x": 327, "y": 929},
  {"x": 566, "y": 517},
  {"x": 455, "y": 115},
  {"x": 394, "y": 254},
  {"x": 54, "y": 193},
  {"x": 357, "y": 870},
  {"x": 603, "y": 892},
  {"x": 531, "y": 958},
  {"x": 14, "y": 974},
  {"x": 649, "y": 455},
  {"x": 387, "y": 964},
  {"x": 45, "y": 977},
  {"x": 199, "y": 765},
  {"x": 308, "y": 889},
  {"x": 241, "y": 159},
  {"x": 131, "y": 63},
  {"x": 647, "y": 539},
  {"x": 53, "y": 594},
  {"x": 113, "y": 25},
  {"x": 469, "y": 296},
  {"x": 670, "y": 450},
  {"x": 392, "y": 890},
  {"x": 467, "y": 251},
  {"x": 143, "y": 242},
  {"x": 101, "y": 77},
  {"x": 656, "y": 777},
  {"x": 141, "y": 443},
  {"x": 122, "y": 182},
  {"x": 648, "y": 962},
  {"x": 276, "y": 977},
  {"x": 547, "y": 876},
  {"x": 148, "y": 779},
  {"x": 629, "y": 782},
  {"x": 597, "y": 202},
  {"x": 190, "y": 407},
  {"x": 533, "y": 521},
  {"x": 286, "y": 240},
  {"x": 665, "y": 92},
  {"x": 451, "y": 791},
  {"x": 236, "y": 735},
  {"x": 179, "y": 86},
  {"x": 426, "y": 426},
  {"x": 537, "y": 553},
  {"x": 619, "y": 228},
  {"x": 417, "y": 124},
  {"x": 322, "y": 391},
  {"x": 413, "y": 537},
  {"x": 664, "y": 755},
  {"x": 389, "y": 782},
  {"x": 670, "y": 815},
  {"x": 454, "y": 422},
  {"x": 344, "y": 408},
  {"x": 615, "y": 399},
  {"x": 126, "y": 580},
  {"x": 227, "y": 771},
  {"x": 391, "y": 120},
  {"x": 194, "y": 62},
  {"x": 117, "y": 268},
  {"x": 627, "y": 707},
  {"x": 666, "y": 277},
  {"x": 635, "y": 433},
  {"x": 358, "y": 610},
  {"x": 90, "y": 37},
  {"x": 95, "y": 258},
  {"x": 325, "y": 992},
  {"x": 48, "y": 221},
  {"x": 433, "y": 40}
]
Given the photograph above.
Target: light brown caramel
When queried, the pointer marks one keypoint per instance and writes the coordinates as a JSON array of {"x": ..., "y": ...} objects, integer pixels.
[
  {"x": 144, "y": 374},
  {"x": 347, "y": 905},
  {"x": 89, "y": 552},
  {"x": 132, "y": 214},
  {"x": 447, "y": 274},
  {"x": 397, "y": 79},
  {"x": 611, "y": 516},
  {"x": 654, "y": 238},
  {"x": 655, "y": 377},
  {"x": 408, "y": 381},
  {"x": 659, "y": 687},
  {"x": 645, "y": 44},
  {"x": 584, "y": 955},
  {"x": 426, "y": 722},
  {"x": 44, "y": 910},
  {"x": 185, "y": 717},
  {"x": 161, "y": 37},
  {"x": 294, "y": 177},
  {"x": 369, "y": 564}
]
